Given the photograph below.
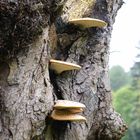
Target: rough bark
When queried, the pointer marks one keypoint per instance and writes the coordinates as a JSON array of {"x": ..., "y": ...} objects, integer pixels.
[{"x": 32, "y": 32}]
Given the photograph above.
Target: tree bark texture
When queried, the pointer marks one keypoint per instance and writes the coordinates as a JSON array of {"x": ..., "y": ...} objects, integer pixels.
[{"x": 32, "y": 32}]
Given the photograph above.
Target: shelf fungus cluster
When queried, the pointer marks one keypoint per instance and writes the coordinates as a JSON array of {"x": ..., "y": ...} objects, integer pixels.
[
  {"x": 60, "y": 66},
  {"x": 88, "y": 22},
  {"x": 65, "y": 110}
]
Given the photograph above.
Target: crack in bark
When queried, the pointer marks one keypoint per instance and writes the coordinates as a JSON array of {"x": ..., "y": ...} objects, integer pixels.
[{"x": 56, "y": 88}]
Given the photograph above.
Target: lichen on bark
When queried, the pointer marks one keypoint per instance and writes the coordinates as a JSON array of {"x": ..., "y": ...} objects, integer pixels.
[{"x": 21, "y": 22}]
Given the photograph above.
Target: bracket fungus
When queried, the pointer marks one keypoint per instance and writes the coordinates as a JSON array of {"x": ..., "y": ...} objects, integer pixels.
[
  {"x": 75, "y": 110},
  {"x": 66, "y": 104},
  {"x": 61, "y": 115},
  {"x": 65, "y": 110},
  {"x": 88, "y": 22},
  {"x": 60, "y": 66}
]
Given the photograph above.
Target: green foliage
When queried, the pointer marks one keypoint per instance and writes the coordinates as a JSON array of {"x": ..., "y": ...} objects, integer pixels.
[
  {"x": 118, "y": 77},
  {"x": 135, "y": 72},
  {"x": 127, "y": 103},
  {"x": 127, "y": 98},
  {"x": 135, "y": 124},
  {"x": 123, "y": 102}
]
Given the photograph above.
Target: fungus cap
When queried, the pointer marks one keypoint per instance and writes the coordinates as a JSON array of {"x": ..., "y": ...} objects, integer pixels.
[
  {"x": 66, "y": 104},
  {"x": 72, "y": 110},
  {"x": 88, "y": 22},
  {"x": 75, "y": 110},
  {"x": 66, "y": 116},
  {"x": 60, "y": 66}
]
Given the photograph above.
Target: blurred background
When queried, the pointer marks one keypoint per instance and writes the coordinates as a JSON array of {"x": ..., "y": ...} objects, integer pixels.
[{"x": 125, "y": 66}]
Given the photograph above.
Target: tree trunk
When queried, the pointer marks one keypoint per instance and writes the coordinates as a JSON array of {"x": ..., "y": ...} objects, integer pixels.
[{"x": 32, "y": 32}]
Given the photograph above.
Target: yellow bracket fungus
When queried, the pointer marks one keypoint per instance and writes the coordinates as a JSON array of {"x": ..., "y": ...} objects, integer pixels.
[
  {"x": 60, "y": 66},
  {"x": 88, "y": 22},
  {"x": 66, "y": 116}
]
